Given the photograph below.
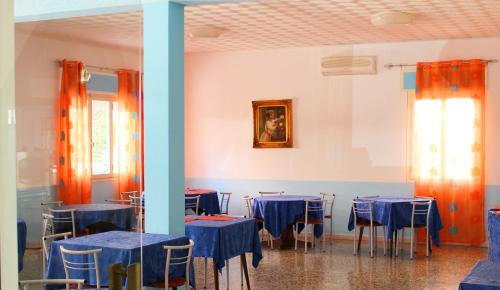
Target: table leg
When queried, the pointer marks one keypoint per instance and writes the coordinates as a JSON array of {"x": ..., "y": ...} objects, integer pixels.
[
  {"x": 360, "y": 237},
  {"x": 216, "y": 276},
  {"x": 391, "y": 245},
  {"x": 245, "y": 269}
]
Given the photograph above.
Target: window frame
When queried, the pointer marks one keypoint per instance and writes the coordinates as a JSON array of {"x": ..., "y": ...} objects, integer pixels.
[{"x": 109, "y": 97}]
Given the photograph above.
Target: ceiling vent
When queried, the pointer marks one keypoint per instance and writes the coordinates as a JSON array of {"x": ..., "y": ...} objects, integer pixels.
[{"x": 348, "y": 65}]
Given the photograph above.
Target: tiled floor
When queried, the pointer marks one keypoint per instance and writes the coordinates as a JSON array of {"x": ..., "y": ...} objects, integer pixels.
[{"x": 337, "y": 268}]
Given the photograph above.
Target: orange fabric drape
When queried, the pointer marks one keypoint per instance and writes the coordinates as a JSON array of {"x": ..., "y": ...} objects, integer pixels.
[
  {"x": 449, "y": 146},
  {"x": 73, "y": 152},
  {"x": 129, "y": 137}
]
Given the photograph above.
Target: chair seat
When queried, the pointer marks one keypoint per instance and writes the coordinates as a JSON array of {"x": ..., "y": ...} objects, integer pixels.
[
  {"x": 310, "y": 221},
  {"x": 366, "y": 223},
  {"x": 172, "y": 283}
]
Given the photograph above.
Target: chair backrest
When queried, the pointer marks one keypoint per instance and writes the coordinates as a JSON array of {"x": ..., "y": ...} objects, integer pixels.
[
  {"x": 263, "y": 193},
  {"x": 119, "y": 201},
  {"x": 179, "y": 260},
  {"x": 80, "y": 265},
  {"x": 63, "y": 217},
  {"x": 26, "y": 284},
  {"x": 421, "y": 208},
  {"x": 224, "y": 202},
  {"x": 129, "y": 194},
  {"x": 248, "y": 205},
  {"x": 362, "y": 207},
  {"x": 328, "y": 205},
  {"x": 314, "y": 206},
  {"x": 48, "y": 239},
  {"x": 46, "y": 204},
  {"x": 192, "y": 202},
  {"x": 368, "y": 196}
]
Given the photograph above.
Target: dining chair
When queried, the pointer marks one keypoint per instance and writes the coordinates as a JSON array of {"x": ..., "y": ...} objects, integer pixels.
[
  {"x": 366, "y": 208},
  {"x": 136, "y": 202},
  {"x": 224, "y": 202},
  {"x": 185, "y": 259},
  {"x": 192, "y": 202},
  {"x": 78, "y": 263},
  {"x": 129, "y": 194},
  {"x": 27, "y": 284},
  {"x": 119, "y": 201},
  {"x": 419, "y": 208},
  {"x": 64, "y": 218},
  {"x": 328, "y": 210},
  {"x": 46, "y": 204},
  {"x": 46, "y": 241},
  {"x": 313, "y": 207},
  {"x": 249, "y": 206},
  {"x": 264, "y": 193}
]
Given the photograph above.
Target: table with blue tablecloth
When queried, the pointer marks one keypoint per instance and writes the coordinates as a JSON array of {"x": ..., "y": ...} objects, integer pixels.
[
  {"x": 494, "y": 235},
  {"x": 395, "y": 212},
  {"x": 22, "y": 231},
  {"x": 222, "y": 238},
  {"x": 120, "y": 247},
  {"x": 121, "y": 217},
  {"x": 209, "y": 200},
  {"x": 279, "y": 212},
  {"x": 484, "y": 276}
]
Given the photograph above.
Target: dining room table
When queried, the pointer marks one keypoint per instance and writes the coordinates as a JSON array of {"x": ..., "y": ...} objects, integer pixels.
[
  {"x": 209, "y": 200},
  {"x": 222, "y": 238},
  {"x": 485, "y": 275},
  {"x": 280, "y": 212},
  {"x": 395, "y": 212},
  {"x": 98, "y": 216},
  {"x": 121, "y": 247},
  {"x": 494, "y": 234},
  {"x": 22, "y": 231}
]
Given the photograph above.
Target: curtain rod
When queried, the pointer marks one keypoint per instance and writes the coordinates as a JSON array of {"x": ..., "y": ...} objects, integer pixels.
[
  {"x": 93, "y": 67},
  {"x": 402, "y": 65}
]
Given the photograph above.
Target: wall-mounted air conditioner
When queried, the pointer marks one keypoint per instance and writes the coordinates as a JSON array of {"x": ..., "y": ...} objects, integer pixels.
[{"x": 348, "y": 65}]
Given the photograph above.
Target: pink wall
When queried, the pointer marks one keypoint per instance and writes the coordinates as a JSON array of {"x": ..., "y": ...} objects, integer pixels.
[{"x": 347, "y": 128}]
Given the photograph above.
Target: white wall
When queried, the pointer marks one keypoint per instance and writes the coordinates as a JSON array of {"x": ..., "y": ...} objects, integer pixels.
[
  {"x": 349, "y": 131},
  {"x": 37, "y": 91}
]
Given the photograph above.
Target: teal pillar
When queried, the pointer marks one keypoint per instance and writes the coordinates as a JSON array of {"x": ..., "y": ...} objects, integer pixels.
[{"x": 164, "y": 116}]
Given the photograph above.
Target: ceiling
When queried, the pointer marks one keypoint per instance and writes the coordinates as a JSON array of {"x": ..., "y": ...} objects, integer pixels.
[{"x": 269, "y": 24}]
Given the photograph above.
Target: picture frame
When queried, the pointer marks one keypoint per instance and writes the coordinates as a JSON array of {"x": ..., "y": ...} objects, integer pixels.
[{"x": 272, "y": 124}]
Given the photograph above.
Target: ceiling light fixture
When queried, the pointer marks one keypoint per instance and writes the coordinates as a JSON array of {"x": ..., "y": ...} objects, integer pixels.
[
  {"x": 392, "y": 18},
  {"x": 208, "y": 31}
]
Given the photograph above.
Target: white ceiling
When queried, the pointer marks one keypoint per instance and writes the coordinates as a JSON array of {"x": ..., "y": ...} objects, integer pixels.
[{"x": 296, "y": 23}]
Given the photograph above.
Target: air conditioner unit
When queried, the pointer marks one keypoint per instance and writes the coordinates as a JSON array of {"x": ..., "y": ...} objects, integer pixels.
[{"x": 348, "y": 65}]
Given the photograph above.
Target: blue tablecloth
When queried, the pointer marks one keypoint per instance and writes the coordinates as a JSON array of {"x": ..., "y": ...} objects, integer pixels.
[
  {"x": 223, "y": 240},
  {"x": 494, "y": 235},
  {"x": 120, "y": 247},
  {"x": 21, "y": 242},
  {"x": 209, "y": 201},
  {"x": 122, "y": 216},
  {"x": 279, "y": 211},
  {"x": 395, "y": 213},
  {"x": 484, "y": 276}
]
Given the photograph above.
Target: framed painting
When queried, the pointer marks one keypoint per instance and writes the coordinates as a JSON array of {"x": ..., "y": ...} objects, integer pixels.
[{"x": 272, "y": 124}]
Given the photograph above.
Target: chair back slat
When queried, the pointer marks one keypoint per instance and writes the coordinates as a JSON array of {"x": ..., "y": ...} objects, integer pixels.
[
  {"x": 362, "y": 207},
  {"x": 192, "y": 202},
  {"x": 180, "y": 260},
  {"x": 264, "y": 193},
  {"x": 62, "y": 216},
  {"x": 224, "y": 202},
  {"x": 421, "y": 208}
]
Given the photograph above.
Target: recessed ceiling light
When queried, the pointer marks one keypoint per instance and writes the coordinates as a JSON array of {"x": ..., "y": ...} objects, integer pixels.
[
  {"x": 208, "y": 31},
  {"x": 392, "y": 18}
]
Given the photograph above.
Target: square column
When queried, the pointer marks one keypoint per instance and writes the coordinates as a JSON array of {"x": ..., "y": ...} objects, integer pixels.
[
  {"x": 8, "y": 204},
  {"x": 164, "y": 116}
]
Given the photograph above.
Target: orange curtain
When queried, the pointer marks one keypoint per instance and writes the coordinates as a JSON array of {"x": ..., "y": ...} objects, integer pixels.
[
  {"x": 128, "y": 132},
  {"x": 449, "y": 145},
  {"x": 73, "y": 152}
]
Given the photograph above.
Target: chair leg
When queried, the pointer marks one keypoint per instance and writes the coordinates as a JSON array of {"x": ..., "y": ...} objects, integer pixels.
[
  {"x": 355, "y": 244},
  {"x": 205, "y": 278},
  {"x": 375, "y": 238},
  {"x": 227, "y": 274},
  {"x": 241, "y": 273},
  {"x": 427, "y": 241},
  {"x": 296, "y": 234},
  {"x": 411, "y": 242},
  {"x": 323, "y": 236},
  {"x": 331, "y": 230},
  {"x": 305, "y": 238},
  {"x": 385, "y": 240},
  {"x": 370, "y": 240}
]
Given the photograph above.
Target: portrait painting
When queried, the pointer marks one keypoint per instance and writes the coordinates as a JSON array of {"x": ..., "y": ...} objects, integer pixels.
[{"x": 272, "y": 124}]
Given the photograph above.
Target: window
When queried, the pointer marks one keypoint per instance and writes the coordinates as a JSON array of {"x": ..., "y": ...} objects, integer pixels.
[
  {"x": 104, "y": 115},
  {"x": 443, "y": 138}
]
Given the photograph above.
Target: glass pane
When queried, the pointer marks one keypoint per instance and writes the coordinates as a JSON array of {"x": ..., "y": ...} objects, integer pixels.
[
  {"x": 427, "y": 144},
  {"x": 116, "y": 139},
  {"x": 101, "y": 138}
]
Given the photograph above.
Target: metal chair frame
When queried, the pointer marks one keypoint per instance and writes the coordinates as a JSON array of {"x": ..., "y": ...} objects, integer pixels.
[
  {"x": 184, "y": 260},
  {"x": 81, "y": 266},
  {"x": 27, "y": 283},
  {"x": 224, "y": 202},
  {"x": 311, "y": 207},
  {"x": 192, "y": 201},
  {"x": 328, "y": 210},
  {"x": 372, "y": 228},
  {"x": 263, "y": 193}
]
